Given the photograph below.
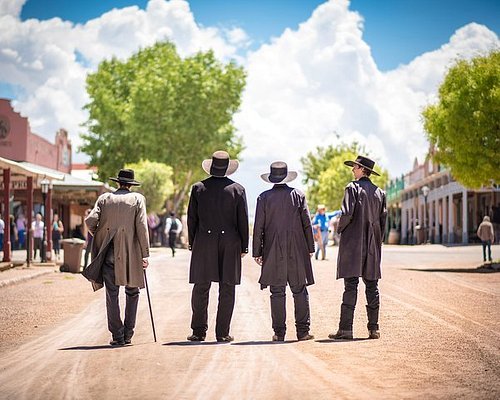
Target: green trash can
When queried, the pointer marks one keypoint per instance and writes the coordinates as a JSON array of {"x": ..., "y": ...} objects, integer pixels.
[{"x": 72, "y": 254}]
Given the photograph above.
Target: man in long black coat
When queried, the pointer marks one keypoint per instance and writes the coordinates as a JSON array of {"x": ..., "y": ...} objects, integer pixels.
[
  {"x": 361, "y": 227},
  {"x": 218, "y": 238},
  {"x": 283, "y": 244}
]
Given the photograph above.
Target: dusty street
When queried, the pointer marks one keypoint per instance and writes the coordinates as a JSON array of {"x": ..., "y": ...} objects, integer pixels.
[{"x": 440, "y": 338}]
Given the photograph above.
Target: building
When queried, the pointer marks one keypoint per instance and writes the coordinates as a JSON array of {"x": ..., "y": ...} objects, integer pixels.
[
  {"x": 28, "y": 160},
  {"x": 437, "y": 209}
]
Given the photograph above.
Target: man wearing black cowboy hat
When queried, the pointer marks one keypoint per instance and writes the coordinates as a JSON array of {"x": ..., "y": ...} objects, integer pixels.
[
  {"x": 283, "y": 245},
  {"x": 218, "y": 238},
  {"x": 120, "y": 250},
  {"x": 361, "y": 228}
]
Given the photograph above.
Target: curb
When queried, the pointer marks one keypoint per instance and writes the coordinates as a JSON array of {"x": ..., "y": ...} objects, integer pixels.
[{"x": 13, "y": 281}]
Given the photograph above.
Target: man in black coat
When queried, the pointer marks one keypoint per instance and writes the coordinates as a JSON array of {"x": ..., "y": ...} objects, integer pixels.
[
  {"x": 283, "y": 245},
  {"x": 218, "y": 238},
  {"x": 361, "y": 227}
]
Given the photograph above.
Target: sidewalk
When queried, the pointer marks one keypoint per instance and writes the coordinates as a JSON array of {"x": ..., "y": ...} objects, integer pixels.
[{"x": 17, "y": 270}]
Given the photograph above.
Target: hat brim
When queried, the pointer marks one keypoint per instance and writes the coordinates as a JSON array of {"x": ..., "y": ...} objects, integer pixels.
[
  {"x": 126, "y": 181},
  {"x": 352, "y": 163},
  {"x": 231, "y": 168},
  {"x": 290, "y": 176}
]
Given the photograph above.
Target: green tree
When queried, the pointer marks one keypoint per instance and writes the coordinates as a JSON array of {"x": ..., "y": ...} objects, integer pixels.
[
  {"x": 160, "y": 107},
  {"x": 156, "y": 182},
  {"x": 326, "y": 175},
  {"x": 464, "y": 125}
]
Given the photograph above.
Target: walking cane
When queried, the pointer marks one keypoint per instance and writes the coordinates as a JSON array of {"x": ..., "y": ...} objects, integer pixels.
[{"x": 149, "y": 301}]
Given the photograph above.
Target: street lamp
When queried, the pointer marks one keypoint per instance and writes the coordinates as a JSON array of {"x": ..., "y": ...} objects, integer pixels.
[
  {"x": 425, "y": 192},
  {"x": 45, "y": 189}
]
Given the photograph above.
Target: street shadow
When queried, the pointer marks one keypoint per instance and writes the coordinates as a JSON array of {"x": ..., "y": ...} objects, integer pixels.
[
  {"x": 479, "y": 270},
  {"x": 341, "y": 340},
  {"x": 96, "y": 347},
  {"x": 189, "y": 343},
  {"x": 261, "y": 342}
]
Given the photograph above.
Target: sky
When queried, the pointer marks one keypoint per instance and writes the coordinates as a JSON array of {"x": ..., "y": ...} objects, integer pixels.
[{"x": 319, "y": 72}]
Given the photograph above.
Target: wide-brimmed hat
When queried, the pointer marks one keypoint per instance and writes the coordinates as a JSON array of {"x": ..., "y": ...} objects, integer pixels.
[
  {"x": 364, "y": 162},
  {"x": 220, "y": 165},
  {"x": 126, "y": 176},
  {"x": 279, "y": 173}
]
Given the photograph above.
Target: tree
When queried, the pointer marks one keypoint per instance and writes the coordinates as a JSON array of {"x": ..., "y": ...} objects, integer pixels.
[
  {"x": 160, "y": 107},
  {"x": 156, "y": 182},
  {"x": 326, "y": 175},
  {"x": 464, "y": 125}
]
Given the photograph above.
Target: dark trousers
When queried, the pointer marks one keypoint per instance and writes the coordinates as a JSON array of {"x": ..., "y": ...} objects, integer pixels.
[
  {"x": 486, "y": 244},
  {"x": 349, "y": 303},
  {"x": 278, "y": 309},
  {"x": 37, "y": 245},
  {"x": 119, "y": 330},
  {"x": 199, "y": 304},
  {"x": 172, "y": 237}
]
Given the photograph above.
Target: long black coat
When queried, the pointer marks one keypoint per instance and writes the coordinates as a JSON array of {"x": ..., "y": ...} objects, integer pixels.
[
  {"x": 218, "y": 230},
  {"x": 283, "y": 237},
  {"x": 361, "y": 227}
]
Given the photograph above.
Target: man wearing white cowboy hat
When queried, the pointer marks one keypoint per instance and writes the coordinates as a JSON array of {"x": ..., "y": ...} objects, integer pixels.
[
  {"x": 361, "y": 227},
  {"x": 283, "y": 244},
  {"x": 218, "y": 238},
  {"x": 120, "y": 249}
]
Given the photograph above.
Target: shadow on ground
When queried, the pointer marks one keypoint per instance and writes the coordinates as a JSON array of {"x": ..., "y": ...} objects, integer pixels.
[
  {"x": 261, "y": 342},
  {"x": 97, "y": 347},
  {"x": 488, "y": 269},
  {"x": 188, "y": 343},
  {"x": 341, "y": 340}
]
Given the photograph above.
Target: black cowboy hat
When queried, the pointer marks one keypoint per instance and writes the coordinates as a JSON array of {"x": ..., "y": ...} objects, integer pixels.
[
  {"x": 364, "y": 162},
  {"x": 220, "y": 165},
  {"x": 126, "y": 176},
  {"x": 279, "y": 173}
]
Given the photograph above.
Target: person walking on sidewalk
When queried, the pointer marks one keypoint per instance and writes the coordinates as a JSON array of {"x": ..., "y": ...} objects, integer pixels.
[
  {"x": 361, "y": 227},
  {"x": 57, "y": 231},
  {"x": 283, "y": 245},
  {"x": 120, "y": 251},
  {"x": 218, "y": 238},
  {"x": 486, "y": 233},
  {"x": 173, "y": 227},
  {"x": 37, "y": 227}
]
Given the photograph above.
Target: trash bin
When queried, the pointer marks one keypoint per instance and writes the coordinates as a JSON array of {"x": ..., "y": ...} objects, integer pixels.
[{"x": 72, "y": 254}]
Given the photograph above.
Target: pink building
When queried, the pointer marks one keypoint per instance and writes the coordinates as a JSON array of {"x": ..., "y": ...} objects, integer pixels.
[{"x": 18, "y": 143}]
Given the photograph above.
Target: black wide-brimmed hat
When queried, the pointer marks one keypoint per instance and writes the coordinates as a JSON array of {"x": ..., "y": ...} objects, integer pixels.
[
  {"x": 364, "y": 162},
  {"x": 279, "y": 173},
  {"x": 126, "y": 176},
  {"x": 220, "y": 165}
]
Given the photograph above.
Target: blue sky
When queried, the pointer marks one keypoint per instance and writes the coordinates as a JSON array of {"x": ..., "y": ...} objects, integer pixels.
[{"x": 396, "y": 30}]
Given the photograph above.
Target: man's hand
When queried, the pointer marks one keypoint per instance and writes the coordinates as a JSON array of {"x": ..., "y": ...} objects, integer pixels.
[
  {"x": 258, "y": 260},
  {"x": 145, "y": 263},
  {"x": 311, "y": 254},
  {"x": 243, "y": 255}
]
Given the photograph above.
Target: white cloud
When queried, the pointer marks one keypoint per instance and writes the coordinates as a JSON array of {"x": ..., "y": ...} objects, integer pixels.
[
  {"x": 321, "y": 79},
  {"x": 50, "y": 59}
]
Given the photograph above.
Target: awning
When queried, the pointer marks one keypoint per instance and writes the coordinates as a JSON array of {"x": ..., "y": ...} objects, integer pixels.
[{"x": 32, "y": 170}]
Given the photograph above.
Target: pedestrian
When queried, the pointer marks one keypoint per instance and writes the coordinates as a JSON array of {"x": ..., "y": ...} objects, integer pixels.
[
  {"x": 21, "y": 230},
  {"x": 486, "y": 233},
  {"x": 218, "y": 238},
  {"x": 361, "y": 228},
  {"x": 283, "y": 245},
  {"x": 37, "y": 226},
  {"x": 13, "y": 233},
  {"x": 120, "y": 251},
  {"x": 88, "y": 243},
  {"x": 57, "y": 232},
  {"x": 320, "y": 224},
  {"x": 153, "y": 222},
  {"x": 173, "y": 228}
]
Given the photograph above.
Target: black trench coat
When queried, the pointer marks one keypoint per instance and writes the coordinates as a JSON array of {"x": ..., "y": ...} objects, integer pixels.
[
  {"x": 361, "y": 227},
  {"x": 283, "y": 237},
  {"x": 218, "y": 230}
]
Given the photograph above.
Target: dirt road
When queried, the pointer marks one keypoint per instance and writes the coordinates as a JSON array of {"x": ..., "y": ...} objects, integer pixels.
[{"x": 440, "y": 327}]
